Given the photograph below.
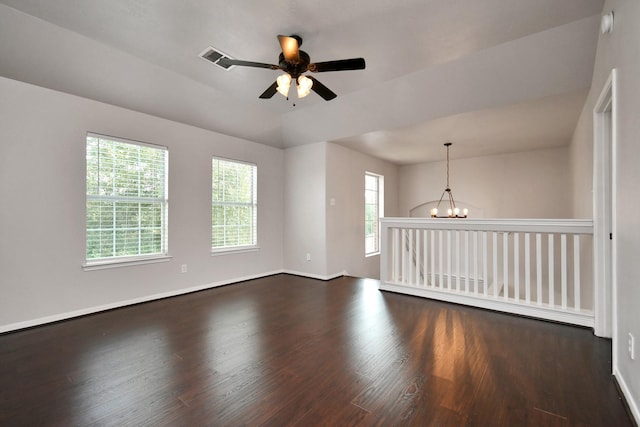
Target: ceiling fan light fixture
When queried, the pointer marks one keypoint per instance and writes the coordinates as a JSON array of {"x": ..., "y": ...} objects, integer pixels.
[
  {"x": 304, "y": 86},
  {"x": 284, "y": 84}
]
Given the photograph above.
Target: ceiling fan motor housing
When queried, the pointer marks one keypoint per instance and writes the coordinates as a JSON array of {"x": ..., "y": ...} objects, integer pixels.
[{"x": 295, "y": 68}]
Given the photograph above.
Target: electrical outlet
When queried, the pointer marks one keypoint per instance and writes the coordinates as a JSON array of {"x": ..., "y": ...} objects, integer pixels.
[
  {"x": 632, "y": 346},
  {"x": 183, "y": 268},
  {"x": 308, "y": 257}
]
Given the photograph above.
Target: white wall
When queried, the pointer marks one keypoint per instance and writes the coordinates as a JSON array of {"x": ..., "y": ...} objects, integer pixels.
[
  {"x": 620, "y": 49},
  {"x": 304, "y": 210},
  {"x": 581, "y": 164},
  {"x": 345, "y": 219},
  {"x": 532, "y": 184},
  {"x": 42, "y": 188},
  {"x": 332, "y": 234}
]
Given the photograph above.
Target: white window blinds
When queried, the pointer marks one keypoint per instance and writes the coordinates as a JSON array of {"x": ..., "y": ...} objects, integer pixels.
[
  {"x": 126, "y": 198},
  {"x": 234, "y": 211}
]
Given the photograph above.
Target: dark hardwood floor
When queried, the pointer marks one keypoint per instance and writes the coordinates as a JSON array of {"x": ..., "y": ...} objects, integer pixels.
[{"x": 286, "y": 350}]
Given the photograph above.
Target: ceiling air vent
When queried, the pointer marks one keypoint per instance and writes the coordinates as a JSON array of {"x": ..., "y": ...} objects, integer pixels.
[{"x": 213, "y": 55}]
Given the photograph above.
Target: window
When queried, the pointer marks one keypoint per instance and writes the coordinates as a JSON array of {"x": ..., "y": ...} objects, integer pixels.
[
  {"x": 373, "y": 211},
  {"x": 234, "y": 210},
  {"x": 126, "y": 199}
]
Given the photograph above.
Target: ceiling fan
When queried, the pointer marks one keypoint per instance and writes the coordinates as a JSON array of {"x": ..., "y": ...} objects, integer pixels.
[{"x": 295, "y": 62}]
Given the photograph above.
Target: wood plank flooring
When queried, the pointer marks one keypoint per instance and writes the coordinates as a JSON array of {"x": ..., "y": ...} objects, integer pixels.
[{"x": 292, "y": 351}]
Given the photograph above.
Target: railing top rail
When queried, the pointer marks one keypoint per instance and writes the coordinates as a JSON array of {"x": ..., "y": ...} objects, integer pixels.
[{"x": 565, "y": 226}]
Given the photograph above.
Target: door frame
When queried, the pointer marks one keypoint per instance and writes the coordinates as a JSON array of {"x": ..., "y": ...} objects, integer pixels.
[{"x": 604, "y": 210}]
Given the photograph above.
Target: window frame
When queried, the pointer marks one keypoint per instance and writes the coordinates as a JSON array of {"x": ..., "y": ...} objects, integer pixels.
[
  {"x": 104, "y": 262},
  {"x": 253, "y": 246},
  {"x": 379, "y": 212}
]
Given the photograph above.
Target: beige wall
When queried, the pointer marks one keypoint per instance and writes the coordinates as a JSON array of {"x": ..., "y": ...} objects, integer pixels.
[
  {"x": 620, "y": 50},
  {"x": 533, "y": 184}
]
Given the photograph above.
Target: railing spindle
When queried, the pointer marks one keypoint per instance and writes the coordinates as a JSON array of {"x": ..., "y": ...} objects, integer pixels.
[
  {"x": 552, "y": 292},
  {"x": 485, "y": 261},
  {"x": 411, "y": 256},
  {"x": 403, "y": 255},
  {"x": 425, "y": 271},
  {"x": 476, "y": 276},
  {"x": 516, "y": 266},
  {"x": 449, "y": 255},
  {"x": 396, "y": 255},
  {"x": 418, "y": 258},
  {"x": 495, "y": 264},
  {"x": 563, "y": 266},
  {"x": 505, "y": 265},
  {"x": 539, "y": 268},
  {"x": 433, "y": 258},
  {"x": 527, "y": 268},
  {"x": 466, "y": 261},
  {"x": 576, "y": 271},
  {"x": 457, "y": 255},
  {"x": 441, "y": 260}
]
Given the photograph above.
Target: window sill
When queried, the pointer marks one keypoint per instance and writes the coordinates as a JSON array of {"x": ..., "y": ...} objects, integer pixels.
[
  {"x": 124, "y": 262},
  {"x": 238, "y": 250},
  {"x": 371, "y": 254}
]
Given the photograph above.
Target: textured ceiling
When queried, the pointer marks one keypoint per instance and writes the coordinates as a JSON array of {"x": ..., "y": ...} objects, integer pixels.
[{"x": 490, "y": 75}]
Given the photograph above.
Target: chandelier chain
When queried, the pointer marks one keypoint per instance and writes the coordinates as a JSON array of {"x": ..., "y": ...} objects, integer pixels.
[{"x": 448, "y": 166}]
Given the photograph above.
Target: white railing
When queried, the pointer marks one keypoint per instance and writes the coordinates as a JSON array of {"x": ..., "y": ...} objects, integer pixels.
[{"x": 539, "y": 268}]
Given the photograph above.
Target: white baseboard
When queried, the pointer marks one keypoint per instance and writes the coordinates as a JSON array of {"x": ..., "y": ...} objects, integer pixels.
[
  {"x": 96, "y": 309},
  {"x": 540, "y": 312},
  {"x": 315, "y": 276},
  {"x": 633, "y": 405}
]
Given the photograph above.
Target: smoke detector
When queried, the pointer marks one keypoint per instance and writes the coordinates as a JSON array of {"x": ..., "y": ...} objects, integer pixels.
[{"x": 606, "y": 23}]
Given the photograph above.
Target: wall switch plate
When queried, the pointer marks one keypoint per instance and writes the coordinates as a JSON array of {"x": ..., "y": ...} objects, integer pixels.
[
  {"x": 632, "y": 346},
  {"x": 183, "y": 268},
  {"x": 308, "y": 257}
]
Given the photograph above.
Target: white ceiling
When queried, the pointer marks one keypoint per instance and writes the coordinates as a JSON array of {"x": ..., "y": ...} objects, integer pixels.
[{"x": 492, "y": 76}]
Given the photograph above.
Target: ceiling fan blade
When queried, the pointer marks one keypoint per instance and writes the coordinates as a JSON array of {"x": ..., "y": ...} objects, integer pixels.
[
  {"x": 339, "y": 65},
  {"x": 227, "y": 62},
  {"x": 271, "y": 90},
  {"x": 326, "y": 93},
  {"x": 289, "y": 47}
]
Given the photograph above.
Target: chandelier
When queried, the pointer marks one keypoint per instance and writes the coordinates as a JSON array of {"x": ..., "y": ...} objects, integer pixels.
[{"x": 453, "y": 211}]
